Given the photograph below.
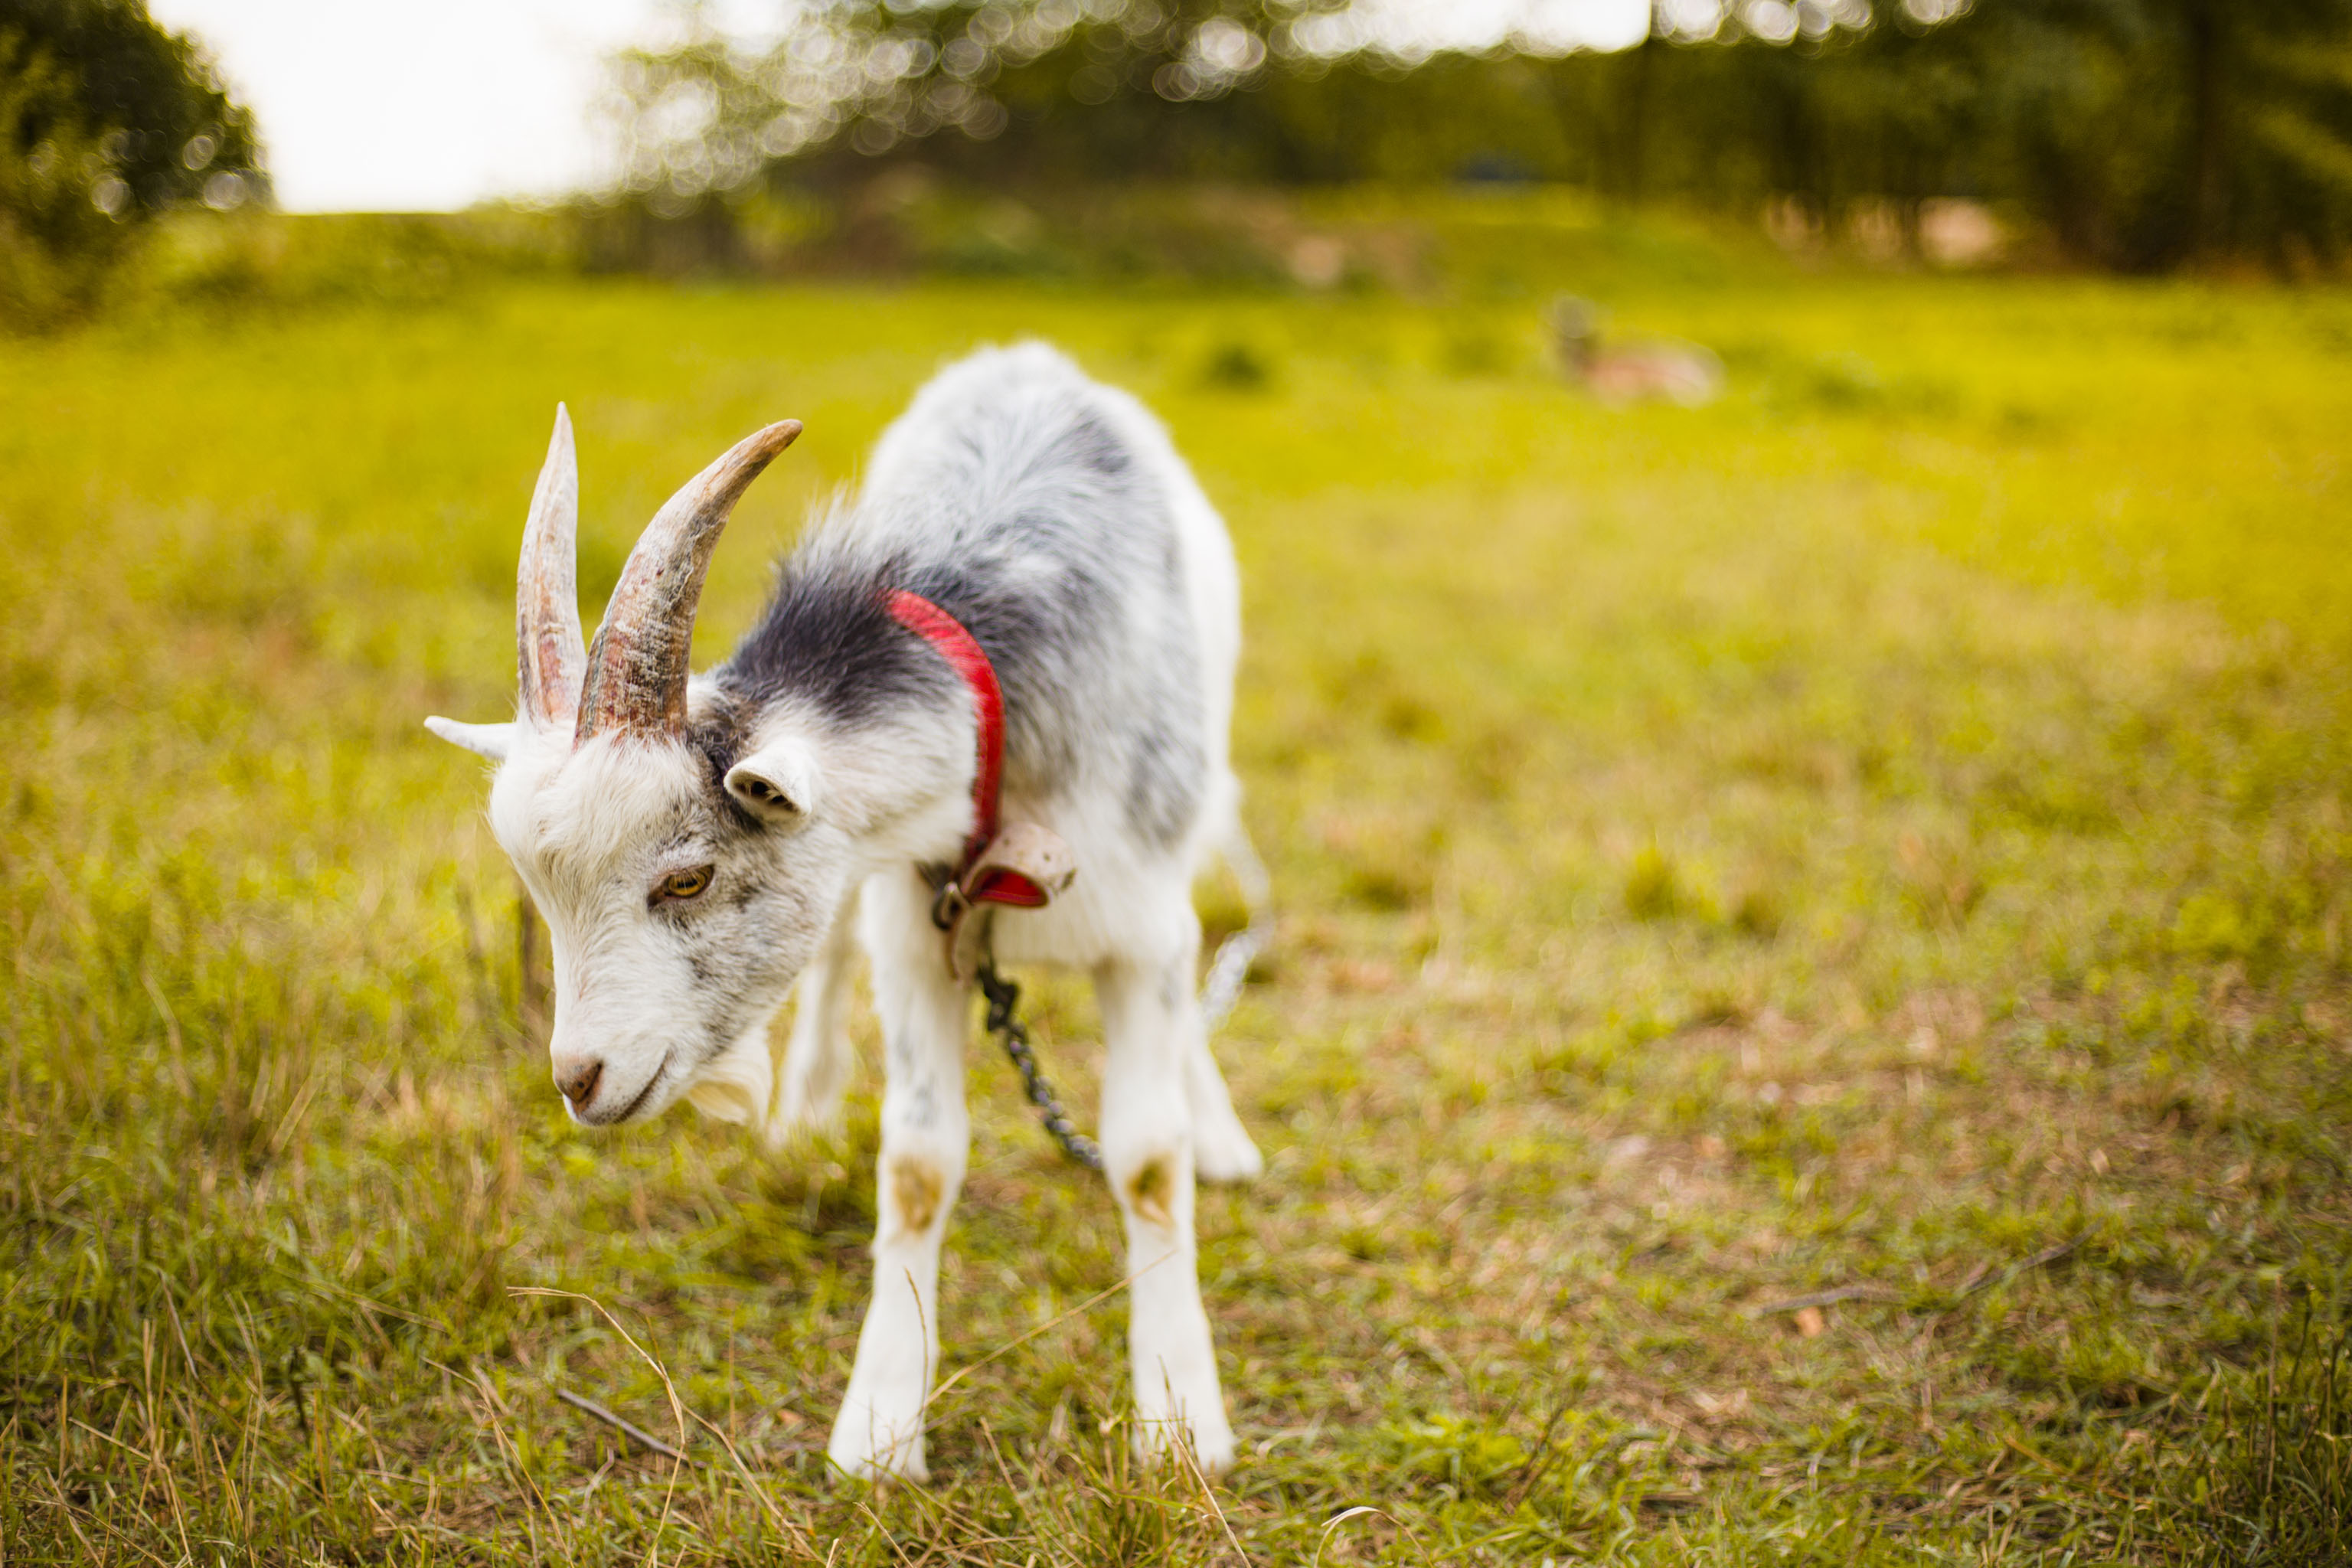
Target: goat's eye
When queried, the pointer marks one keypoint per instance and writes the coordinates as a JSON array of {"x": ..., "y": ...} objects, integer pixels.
[{"x": 682, "y": 885}]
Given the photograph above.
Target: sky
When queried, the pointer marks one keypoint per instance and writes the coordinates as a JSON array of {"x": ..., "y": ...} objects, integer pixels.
[{"x": 430, "y": 105}]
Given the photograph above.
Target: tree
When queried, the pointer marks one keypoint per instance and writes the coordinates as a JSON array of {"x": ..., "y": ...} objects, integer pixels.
[
  {"x": 106, "y": 120},
  {"x": 2143, "y": 133},
  {"x": 2154, "y": 131}
]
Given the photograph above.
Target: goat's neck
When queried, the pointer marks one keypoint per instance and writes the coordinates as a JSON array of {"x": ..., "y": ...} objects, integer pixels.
[{"x": 899, "y": 781}]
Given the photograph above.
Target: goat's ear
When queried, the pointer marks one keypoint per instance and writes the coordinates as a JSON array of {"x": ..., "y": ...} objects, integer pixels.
[
  {"x": 491, "y": 741},
  {"x": 778, "y": 782}
]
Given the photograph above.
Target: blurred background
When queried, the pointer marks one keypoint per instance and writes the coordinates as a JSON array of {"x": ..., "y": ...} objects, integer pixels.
[{"x": 1062, "y": 137}]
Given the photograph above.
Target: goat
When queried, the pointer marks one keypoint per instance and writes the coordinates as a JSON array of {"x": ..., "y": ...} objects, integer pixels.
[
  {"x": 1679, "y": 372},
  {"x": 695, "y": 844}
]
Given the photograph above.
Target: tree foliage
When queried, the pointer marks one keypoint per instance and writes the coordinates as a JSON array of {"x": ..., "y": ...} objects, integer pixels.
[
  {"x": 106, "y": 120},
  {"x": 2140, "y": 133}
]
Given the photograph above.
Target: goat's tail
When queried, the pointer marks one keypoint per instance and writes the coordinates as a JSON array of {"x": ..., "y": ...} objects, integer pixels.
[{"x": 1230, "y": 968}]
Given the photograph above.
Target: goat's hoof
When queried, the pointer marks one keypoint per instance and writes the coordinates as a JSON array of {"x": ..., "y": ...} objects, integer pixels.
[
  {"x": 1209, "y": 1447},
  {"x": 858, "y": 1453},
  {"x": 1225, "y": 1154},
  {"x": 879, "y": 1470}
]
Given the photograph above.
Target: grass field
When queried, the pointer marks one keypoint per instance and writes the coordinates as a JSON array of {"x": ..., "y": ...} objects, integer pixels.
[{"x": 1812, "y": 1019}]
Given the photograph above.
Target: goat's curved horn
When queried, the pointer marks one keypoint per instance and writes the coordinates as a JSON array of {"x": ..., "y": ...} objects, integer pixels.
[
  {"x": 547, "y": 602},
  {"x": 636, "y": 670}
]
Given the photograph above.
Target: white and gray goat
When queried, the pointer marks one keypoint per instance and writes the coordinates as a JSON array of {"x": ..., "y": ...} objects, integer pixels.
[{"x": 698, "y": 844}]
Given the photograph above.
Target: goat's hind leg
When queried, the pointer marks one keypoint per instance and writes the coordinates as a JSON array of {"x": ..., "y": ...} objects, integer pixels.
[
  {"x": 1222, "y": 1150},
  {"x": 815, "y": 1074}
]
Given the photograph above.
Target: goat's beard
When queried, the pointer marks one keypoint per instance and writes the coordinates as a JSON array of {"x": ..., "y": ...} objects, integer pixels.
[{"x": 736, "y": 1085}]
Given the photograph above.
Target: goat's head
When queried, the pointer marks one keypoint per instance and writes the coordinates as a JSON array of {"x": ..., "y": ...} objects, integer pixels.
[{"x": 682, "y": 900}]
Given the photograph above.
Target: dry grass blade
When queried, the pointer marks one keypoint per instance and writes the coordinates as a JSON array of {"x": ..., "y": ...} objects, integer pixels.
[
  {"x": 793, "y": 1528},
  {"x": 1182, "y": 1448},
  {"x": 1824, "y": 1299},
  {"x": 2041, "y": 1260},
  {"x": 676, "y": 1406},
  {"x": 1055, "y": 1321},
  {"x": 1360, "y": 1510},
  {"x": 644, "y": 1439}
]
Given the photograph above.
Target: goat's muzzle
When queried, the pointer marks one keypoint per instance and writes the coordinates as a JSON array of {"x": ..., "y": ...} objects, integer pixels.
[{"x": 578, "y": 1081}]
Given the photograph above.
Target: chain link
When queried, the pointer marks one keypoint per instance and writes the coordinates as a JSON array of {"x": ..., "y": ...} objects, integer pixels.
[
  {"x": 1227, "y": 972},
  {"x": 1004, "y": 997}
]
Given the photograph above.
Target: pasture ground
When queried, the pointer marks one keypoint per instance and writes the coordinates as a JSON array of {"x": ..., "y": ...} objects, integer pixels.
[{"x": 1811, "y": 1020}]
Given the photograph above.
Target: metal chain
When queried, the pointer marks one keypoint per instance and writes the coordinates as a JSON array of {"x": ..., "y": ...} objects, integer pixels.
[
  {"x": 1227, "y": 972},
  {"x": 1221, "y": 988},
  {"x": 1003, "y": 995}
]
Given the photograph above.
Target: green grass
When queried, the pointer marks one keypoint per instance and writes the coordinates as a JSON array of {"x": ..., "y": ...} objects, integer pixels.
[{"x": 1881, "y": 839}]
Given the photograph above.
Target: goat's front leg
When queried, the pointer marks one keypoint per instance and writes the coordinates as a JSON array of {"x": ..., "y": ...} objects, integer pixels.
[
  {"x": 926, "y": 1135},
  {"x": 1151, "y": 1025},
  {"x": 814, "y": 1073}
]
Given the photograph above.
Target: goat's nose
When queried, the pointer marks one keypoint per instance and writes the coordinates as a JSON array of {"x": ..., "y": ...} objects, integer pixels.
[{"x": 578, "y": 1079}]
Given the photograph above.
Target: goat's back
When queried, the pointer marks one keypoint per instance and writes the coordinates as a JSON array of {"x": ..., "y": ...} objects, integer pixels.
[{"x": 1052, "y": 516}]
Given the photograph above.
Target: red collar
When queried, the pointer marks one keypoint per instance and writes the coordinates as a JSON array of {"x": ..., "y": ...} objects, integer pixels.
[{"x": 957, "y": 646}]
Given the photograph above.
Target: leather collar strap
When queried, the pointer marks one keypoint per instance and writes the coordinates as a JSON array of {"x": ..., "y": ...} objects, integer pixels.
[{"x": 964, "y": 654}]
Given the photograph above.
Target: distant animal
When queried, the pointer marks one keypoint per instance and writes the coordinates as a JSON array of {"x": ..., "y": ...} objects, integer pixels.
[
  {"x": 697, "y": 843},
  {"x": 1677, "y": 373}
]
